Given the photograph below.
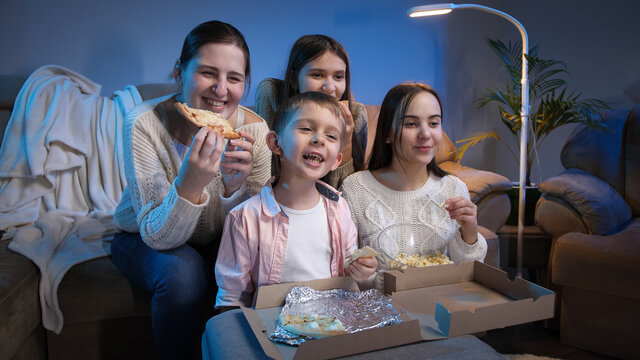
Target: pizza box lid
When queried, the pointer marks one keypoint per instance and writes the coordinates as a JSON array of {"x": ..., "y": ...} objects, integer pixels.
[
  {"x": 270, "y": 299},
  {"x": 452, "y": 300}
]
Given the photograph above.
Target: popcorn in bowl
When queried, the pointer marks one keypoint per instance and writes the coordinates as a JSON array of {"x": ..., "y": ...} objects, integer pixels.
[{"x": 411, "y": 245}]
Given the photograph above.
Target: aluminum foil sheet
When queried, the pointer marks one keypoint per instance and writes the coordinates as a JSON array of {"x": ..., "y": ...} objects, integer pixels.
[{"x": 356, "y": 310}]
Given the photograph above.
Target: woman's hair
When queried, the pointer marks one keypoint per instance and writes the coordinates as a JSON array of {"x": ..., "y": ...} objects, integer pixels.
[
  {"x": 291, "y": 105},
  {"x": 216, "y": 32},
  {"x": 308, "y": 48},
  {"x": 390, "y": 121}
]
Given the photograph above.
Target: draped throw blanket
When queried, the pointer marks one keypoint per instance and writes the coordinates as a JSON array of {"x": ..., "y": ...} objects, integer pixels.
[{"x": 62, "y": 175}]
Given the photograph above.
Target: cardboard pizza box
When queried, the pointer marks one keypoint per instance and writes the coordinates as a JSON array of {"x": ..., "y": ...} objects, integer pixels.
[
  {"x": 452, "y": 300},
  {"x": 269, "y": 301}
]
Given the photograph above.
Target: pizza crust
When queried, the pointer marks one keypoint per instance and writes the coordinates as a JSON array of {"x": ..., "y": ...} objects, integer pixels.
[
  {"x": 365, "y": 251},
  {"x": 215, "y": 121},
  {"x": 314, "y": 325}
]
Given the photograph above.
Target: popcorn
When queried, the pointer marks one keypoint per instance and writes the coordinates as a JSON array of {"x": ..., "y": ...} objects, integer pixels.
[{"x": 423, "y": 260}]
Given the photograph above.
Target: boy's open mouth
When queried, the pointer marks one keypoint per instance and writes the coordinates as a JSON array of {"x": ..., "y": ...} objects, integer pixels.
[{"x": 313, "y": 157}]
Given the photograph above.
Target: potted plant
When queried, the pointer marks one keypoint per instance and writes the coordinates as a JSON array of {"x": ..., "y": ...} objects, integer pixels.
[{"x": 551, "y": 105}]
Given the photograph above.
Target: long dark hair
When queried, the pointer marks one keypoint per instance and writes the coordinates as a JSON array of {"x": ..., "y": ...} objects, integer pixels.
[
  {"x": 392, "y": 111},
  {"x": 216, "y": 32}
]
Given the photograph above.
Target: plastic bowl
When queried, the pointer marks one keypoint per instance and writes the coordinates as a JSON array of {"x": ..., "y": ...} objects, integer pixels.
[{"x": 409, "y": 239}]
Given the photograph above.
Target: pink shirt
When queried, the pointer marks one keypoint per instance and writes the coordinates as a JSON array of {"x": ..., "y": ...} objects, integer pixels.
[{"x": 254, "y": 243}]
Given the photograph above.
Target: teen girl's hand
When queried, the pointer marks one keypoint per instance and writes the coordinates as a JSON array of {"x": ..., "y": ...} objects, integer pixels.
[
  {"x": 363, "y": 268},
  {"x": 200, "y": 164},
  {"x": 348, "y": 134},
  {"x": 465, "y": 212},
  {"x": 237, "y": 162}
]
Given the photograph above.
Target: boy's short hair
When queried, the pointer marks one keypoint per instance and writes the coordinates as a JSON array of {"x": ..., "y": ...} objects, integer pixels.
[{"x": 291, "y": 105}]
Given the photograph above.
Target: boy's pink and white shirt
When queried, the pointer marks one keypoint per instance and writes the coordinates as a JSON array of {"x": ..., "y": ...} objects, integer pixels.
[{"x": 254, "y": 242}]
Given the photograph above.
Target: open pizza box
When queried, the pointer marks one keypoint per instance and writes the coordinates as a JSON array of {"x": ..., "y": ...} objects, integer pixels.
[
  {"x": 434, "y": 303},
  {"x": 270, "y": 299},
  {"x": 452, "y": 300}
]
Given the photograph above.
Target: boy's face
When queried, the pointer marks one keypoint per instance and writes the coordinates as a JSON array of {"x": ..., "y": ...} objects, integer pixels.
[{"x": 309, "y": 146}]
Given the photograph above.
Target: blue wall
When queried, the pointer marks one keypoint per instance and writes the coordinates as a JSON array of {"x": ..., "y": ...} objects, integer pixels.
[{"x": 117, "y": 42}]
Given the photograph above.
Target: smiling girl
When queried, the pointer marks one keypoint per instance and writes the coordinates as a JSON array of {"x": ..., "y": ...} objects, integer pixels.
[{"x": 405, "y": 185}]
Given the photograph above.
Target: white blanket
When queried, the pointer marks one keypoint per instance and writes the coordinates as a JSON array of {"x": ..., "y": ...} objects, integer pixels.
[{"x": 62, "y": 175}]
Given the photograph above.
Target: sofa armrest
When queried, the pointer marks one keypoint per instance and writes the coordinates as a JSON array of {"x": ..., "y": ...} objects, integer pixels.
[
  {"x": 479, "y": 182},
  {"x": 599, "y": 206},
  {"x": 557, "y": 217},
  {"x": 493, "y": 247}
]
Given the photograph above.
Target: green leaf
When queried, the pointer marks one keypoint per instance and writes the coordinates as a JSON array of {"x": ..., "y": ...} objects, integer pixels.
[{"x": 551, "y": 105}]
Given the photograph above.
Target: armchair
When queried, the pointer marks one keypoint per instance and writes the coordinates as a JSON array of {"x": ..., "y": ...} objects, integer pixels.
[{"x": 591, "y": 210}]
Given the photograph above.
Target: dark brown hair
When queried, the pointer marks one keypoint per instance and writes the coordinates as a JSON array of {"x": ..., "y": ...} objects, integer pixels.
[{"x": 392, "y": 111}]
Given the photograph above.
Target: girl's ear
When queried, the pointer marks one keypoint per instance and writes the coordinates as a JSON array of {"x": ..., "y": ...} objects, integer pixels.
[
  {"x": 177, "y": 71},
  {"x": 387, "y": 140},
  {"x": 272, "y": 143}
]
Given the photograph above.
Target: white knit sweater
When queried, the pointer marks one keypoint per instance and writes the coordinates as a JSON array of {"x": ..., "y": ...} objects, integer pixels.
[
  {"x": 374, "y": 207},
  {"x": 151, "y": 205}
]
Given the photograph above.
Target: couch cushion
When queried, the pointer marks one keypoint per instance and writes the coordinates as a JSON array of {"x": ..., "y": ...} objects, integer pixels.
[
  {"x": 152, "y": 91},
  {"x": 598, "y": 152},
  {"x": 97, "y": 290},
  {"x": 631, "y": 160},
  {"x": 19, "y": 301},
  {"x": 603, "y": 264},
  {"x": 479, "y": 182},
  {"x": 603, "y": 210}
]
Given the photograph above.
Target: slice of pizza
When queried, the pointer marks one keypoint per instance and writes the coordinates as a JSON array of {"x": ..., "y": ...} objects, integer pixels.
[
  {"x": 314, "y": 325},
  {"x": 208, "y": 118},
  {"x": 365, "y": 251}
]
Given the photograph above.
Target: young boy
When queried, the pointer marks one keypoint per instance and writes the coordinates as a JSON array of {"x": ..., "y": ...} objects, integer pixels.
[{"x": 298, "y": 228}]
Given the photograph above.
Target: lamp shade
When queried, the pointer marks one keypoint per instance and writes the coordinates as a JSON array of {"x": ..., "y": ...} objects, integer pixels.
[{"x": 430, "y": 10}]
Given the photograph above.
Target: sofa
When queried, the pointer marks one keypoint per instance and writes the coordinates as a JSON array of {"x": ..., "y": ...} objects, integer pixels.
[
  {"x": 592, "y": 211},
  {"x": 104, "y": 317}
]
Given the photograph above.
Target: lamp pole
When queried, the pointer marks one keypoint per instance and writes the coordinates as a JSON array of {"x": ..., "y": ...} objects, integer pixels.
[{"x": 439, "y": 9}]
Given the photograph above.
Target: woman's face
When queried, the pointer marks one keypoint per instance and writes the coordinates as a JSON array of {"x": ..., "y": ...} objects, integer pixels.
[
  {"x": 421, "y": 131},
  {"x": 325, "y": 74},
  {"x": 214, "y": 79}
]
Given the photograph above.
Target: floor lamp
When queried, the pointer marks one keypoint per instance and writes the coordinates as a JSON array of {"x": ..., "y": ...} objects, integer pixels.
[{"x": 440, "y": 9}]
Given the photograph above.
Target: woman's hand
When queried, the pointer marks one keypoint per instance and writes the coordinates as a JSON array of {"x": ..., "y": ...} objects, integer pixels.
[
  {"x": 200, "y": 165},
  {"x": 465, "y": 212},
  {"x": 363, "y": 268},
  {"x": 237, "y": 162},
  {"x": 348, "y": 134}
]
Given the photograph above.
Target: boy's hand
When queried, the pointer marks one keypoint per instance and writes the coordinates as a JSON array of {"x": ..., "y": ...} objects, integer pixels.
[
  {"x": 363, "y": 268},
  {"x": 237, "y": 162},
  {"x": 465, "y": 212}
]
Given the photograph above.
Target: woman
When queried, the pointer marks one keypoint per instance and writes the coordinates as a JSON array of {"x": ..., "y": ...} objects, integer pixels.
[
  {"x": 181, "y": 182},
  {"x": 320, "y": 63},
  {"x": 405, "y": 185}
]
